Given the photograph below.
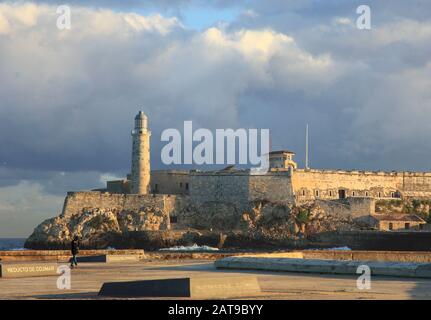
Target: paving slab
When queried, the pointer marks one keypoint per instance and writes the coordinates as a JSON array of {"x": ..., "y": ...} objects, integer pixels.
[{"x": 89, "y": 278}]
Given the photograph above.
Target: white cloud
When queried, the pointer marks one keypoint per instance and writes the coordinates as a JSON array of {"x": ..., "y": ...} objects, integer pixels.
[
  {"x": 19, "y": 15},
  {"x": 104, "y": 177},
  {"x": 342, "y": 21},
  {"x": 250, "y": 13},
  {"x": 151, "y": 23},
  {"x": 4, "y": 24},
  {"x": 253, "y": 44},
  {"x": 274, "y": 58}
]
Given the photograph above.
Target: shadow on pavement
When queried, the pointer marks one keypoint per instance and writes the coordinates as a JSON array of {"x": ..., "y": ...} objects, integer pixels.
[{"x": 72, "y": 296}]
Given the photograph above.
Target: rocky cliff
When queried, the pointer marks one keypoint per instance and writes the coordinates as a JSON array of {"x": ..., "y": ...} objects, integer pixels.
[
  {"x": 96, "y": 226},
  {"x": 212, "y": 223}
]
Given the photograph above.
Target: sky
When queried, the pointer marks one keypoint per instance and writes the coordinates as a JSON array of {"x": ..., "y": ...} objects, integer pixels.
[{"x": 68, "y": 97}]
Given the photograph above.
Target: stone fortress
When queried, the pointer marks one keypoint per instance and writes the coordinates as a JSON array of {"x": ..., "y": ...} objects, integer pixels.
[
  {"x": 284, "y": 182},
  {"x": 310, "y": 200}
]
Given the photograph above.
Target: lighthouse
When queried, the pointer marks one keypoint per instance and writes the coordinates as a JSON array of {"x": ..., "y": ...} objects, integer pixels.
[{"x": 141, "y": 155}]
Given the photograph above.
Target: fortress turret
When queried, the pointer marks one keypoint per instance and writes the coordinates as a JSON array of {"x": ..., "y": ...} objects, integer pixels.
[
  {"x": 282, "y": 160},
  {"x": 141, "y": 155}
]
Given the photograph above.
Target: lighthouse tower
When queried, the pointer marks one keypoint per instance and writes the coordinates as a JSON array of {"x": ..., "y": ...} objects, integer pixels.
[{"x": 141, "y": 155}]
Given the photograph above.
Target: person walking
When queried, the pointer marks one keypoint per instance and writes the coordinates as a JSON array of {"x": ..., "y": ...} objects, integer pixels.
[{"x": 74, "y": 248}]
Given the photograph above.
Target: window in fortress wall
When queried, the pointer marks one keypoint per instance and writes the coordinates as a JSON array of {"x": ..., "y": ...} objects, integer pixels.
[
  {"x": 330, "y": 193},
  {"x": 317, "y": 193}
]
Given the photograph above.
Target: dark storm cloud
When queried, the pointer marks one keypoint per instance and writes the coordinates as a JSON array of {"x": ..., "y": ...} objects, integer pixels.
[
  {"x": 68, "y": 100},
  {"x": 169, "y": 5},
  {"x": 56, "y": 182},
  {"x": 275, "y": 13},
  {"x": 374, "y": 109},
  {"x": 118, "y": 3}
]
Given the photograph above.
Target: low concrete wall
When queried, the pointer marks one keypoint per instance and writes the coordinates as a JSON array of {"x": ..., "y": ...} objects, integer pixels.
[
  {"x": 392, "y": 269},
  {"x": 166, "y": 255},
  {"x": 61, "y": 255},
  {"x": 64, "y": 255},
  {"x": 380, "y": 256},
  {"x": 375, "y": 240}
]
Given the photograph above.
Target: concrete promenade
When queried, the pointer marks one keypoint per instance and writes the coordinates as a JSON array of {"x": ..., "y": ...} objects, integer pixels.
[{"x": 89, "y": 277}]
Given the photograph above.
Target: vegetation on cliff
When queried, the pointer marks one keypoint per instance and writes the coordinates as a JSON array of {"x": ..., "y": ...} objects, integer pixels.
[{"x": 419, "y": 207}]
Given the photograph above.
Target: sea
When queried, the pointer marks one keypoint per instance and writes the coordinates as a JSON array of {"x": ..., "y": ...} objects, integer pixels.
[{"x": 12, "y": 244}]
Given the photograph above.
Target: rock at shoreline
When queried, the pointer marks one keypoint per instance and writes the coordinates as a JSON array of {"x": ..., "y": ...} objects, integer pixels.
[{"x": 95, "y": 226}]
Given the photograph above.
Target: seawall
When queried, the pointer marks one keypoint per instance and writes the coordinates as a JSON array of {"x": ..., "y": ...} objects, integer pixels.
[
  {"x": 375, "y": 240},
  {"x": 61, "y": 255},
  {"x": 353, "y": 255}
]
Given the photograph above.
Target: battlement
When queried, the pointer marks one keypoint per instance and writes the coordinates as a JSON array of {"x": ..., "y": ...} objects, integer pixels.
[
  {"x": 366, "y": 172},
  {"x": 102, "y": 194},
  {"x": 172, "y": 171},
  {"x": 245, "y": 172}
]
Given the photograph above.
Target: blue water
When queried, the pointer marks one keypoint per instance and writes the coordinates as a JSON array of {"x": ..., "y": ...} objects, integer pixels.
[{"x": 12, "y": 244}]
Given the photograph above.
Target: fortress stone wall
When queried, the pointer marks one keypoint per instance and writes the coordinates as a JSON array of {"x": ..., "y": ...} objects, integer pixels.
[
  {"x": 240, "y": 187},
  {"x": 76, "y": 202},
  {"x": 334, "y": 184},
  {"x": 170, "y": 181},
  {"x": 299, "y": 186},
  {"x": 357, "y": 207}
]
